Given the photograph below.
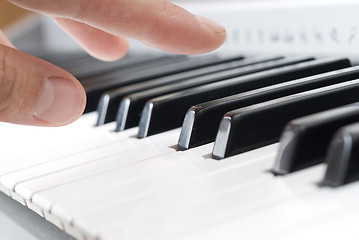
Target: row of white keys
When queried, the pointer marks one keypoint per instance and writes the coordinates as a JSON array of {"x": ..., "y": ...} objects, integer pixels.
[
  {"x": 34, "y": 140},
  {"x": 182, "y": 185},
  {"x": 318, "y": 214},
  {"x": 182, "y": 175},
  {"x": 75, "y": 140},
  {"x": 101, "y": 165},
  {"x": 45, "y": 169},
  {"x": 102, "y": 189},
  {"x": 14, "y": 172},
  {"x": 242, "y": 202}
]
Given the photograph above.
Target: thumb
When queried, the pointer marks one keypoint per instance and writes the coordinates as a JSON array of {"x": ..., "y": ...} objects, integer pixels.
[{"x": 35, "y": 92}]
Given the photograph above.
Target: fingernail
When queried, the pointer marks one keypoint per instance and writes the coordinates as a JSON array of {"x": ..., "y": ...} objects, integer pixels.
[
  {"x": 214, "y": 26},
  {"x": 60, "y": 102}
]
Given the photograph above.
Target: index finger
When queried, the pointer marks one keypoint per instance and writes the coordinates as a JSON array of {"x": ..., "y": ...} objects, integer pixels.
[{"x": 158, "y": 23}]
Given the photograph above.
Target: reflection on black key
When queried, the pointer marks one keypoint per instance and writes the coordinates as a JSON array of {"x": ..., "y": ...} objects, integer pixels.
[
  {"x": 342, "y": 158},
  {"x": 305, "y": 141},
  {"x": 261, "y": 124},
  {"x": 95, "y": 68},
  {"x": 202, "y": 121},
  {"x": 110, "y": 101},
  {"x": 175, "y": 106},
  {"x": 97, "y": 86},
  {"x": 131, "y": 106}
]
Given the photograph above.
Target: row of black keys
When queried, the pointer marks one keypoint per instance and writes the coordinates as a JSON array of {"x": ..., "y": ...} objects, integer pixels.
[{"x": 240, "y": 103}]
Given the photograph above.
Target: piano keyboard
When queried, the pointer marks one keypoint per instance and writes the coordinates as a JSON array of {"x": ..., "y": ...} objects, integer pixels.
[
  {"x": 97, "y": 183},
  {"x": 219, "y": 146}
]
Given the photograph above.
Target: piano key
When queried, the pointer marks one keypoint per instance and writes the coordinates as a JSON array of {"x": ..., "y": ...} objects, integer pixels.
[
  {"x": 35, "y": 170},
  {"x": 110, "y": 101},
  {"x": 96, "y": 87},
  {"x": 261, "y": 124},
  {"x": 167, "y": 112},
  {"x": 97, "y": 140},
  {"x": 304, "y": 141},
  {"x": 302, "y": 212},
  {"x": 195, "y": 202},
  {"x": 188, "y": 192},
  {"x": 86, "y": 70},
  {"x": 92, "y": 167},
  {"x": 182, "y": 172},
  {"x": 202, "y": 121},
  {"x": 140, "y": 65},
  {"x": 342, "y": 157},
  {"x": 44, "y": 134},
  {"x": 131, "y": 106}
]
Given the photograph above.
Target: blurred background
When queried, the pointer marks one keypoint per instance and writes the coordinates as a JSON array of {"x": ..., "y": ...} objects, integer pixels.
[{"x": 10, "y": 14}]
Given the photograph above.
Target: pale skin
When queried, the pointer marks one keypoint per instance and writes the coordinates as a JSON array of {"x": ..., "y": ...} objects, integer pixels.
[{"x": 35, "y": 92}]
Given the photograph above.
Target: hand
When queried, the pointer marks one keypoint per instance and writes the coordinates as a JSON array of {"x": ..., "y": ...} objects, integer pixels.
[{"x": 35, "y": 92}]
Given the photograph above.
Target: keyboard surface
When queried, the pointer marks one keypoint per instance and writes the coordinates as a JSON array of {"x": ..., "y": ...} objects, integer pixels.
[{"x": 95, "y": 183}]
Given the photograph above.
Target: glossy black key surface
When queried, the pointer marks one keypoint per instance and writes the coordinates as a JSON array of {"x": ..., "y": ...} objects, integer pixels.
[
  {"x": 261, "y": 124},
  {"x": 130, "y": 108},
  {"x": 305, "y": 141},
  {"x": 343, "y": 157},
  {"x": 110, "y": 101},
  {"x": 167, "y": 112},
  {"x": 202, "y": 121},
  {"x": 95, "y": 87}
]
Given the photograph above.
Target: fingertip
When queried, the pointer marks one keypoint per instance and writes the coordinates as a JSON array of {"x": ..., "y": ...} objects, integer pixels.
[
  {"x": 60, "y": 102},
  {"x": 96, "y": 42},
  {"x": 35, "y": 92},
  {"x": 182, "y": 32},
  {"x": 112, "y": 50}
]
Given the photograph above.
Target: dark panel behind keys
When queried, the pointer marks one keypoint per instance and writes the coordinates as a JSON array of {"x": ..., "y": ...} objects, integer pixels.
[
  {"x": 132, "y": 105},
  {"x": 96, "y": 87},
  {"x": 110, "y": 101},
  {"x": 167, "y": 112},
  {"x": 261, "y": 124},
  {"x": 202, "y": 121}
]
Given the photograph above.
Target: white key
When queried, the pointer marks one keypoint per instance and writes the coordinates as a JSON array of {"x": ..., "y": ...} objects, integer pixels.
[
  {"x": 82, "y": 141},
  {"x": 92, "y": 188},
  {"x": 33, "y": 140},
  {"x": 184, "y": 173},
  {"x": 214, "y": 177},
  {"x": 12, "y": 179},
  {"x": 207, "y": 212},
  {"x": 101, "y": 165}
]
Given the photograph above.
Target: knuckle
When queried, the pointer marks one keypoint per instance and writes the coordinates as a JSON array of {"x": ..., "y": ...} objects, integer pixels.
[
  {"x": 81, "y": 8},
  {"x": 10, "y": 80},
  {"x": 169, "y": 17}
]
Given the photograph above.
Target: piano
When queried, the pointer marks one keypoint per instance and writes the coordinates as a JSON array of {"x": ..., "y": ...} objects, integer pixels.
[{"x": 255, "y": 141}]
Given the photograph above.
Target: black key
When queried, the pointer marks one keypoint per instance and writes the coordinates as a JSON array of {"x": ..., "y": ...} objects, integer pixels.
[
  {"x": 131, "y": 106},
  {"x": 305, "y": 141},
  {"x": 342, "y": 158},
  {"x": 95, "y": 88},
  {"x": 95, "y": 68},
  {"x": 175, "y": 106},
  {"x": 65, "y": 59},
  {"x": 261, "y": 124},
  {"x": 97, "y": 85},
  {"x": 139, "y": 67},
  {"x": 110, "y": 101},
  {"x": 202, "y": 121}
]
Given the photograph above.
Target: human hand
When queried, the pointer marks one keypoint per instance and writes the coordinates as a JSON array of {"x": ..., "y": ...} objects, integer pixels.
[{"x": 35, "y": 92}]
